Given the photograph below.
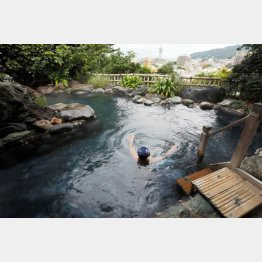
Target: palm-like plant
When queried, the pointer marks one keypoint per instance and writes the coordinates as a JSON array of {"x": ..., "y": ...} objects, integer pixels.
[
  {"x": 58, "y": 78},
  {"x": 167, "y": 87}
]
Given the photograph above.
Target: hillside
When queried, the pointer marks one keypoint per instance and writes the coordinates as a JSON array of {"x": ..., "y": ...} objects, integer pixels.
[{"x": 226, "y": 52}]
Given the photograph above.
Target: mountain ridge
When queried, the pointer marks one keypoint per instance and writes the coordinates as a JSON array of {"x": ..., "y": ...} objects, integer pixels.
[{"x": 222, "y": 53}]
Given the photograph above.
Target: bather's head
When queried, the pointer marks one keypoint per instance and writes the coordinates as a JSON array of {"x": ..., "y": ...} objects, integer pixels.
[{"x": 143, "y": 153}]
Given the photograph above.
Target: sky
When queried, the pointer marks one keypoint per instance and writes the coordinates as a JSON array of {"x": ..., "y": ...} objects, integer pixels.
[{"x": 169, "y": 51}]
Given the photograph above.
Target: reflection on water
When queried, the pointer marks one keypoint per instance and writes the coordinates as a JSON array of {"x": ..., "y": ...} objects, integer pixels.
[{"x": 94, "y": 175}]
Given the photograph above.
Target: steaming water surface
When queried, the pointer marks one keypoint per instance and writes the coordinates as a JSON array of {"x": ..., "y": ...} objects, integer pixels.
[{"x": 94, "y": 175}]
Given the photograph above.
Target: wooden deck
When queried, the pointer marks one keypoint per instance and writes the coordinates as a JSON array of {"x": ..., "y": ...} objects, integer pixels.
[{"x": 229, "y": 193}]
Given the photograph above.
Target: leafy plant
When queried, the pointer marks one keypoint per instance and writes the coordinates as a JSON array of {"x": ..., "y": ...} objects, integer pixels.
[
  {"x": 131, "y": 81},
  {"x": 59, "y": 78},
  {"x": 167, "y": 87},
  {"x": 41, "y": 101},
  {"x": 98, "y": 81}
]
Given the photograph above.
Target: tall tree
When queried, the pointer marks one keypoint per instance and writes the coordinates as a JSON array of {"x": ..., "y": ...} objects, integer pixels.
[
  {"x": 118, "y": 63},
  {"x": 166, "y": 69},
  {"x": 246, "y": 78},
  {"x": 36, "y": 64}
]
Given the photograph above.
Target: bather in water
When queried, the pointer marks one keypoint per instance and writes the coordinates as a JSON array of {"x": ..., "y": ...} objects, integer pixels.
[{"x": 142, "y": 155}]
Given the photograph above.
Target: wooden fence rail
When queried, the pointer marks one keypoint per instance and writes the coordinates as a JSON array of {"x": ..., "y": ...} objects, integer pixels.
[
  {"x": 149, "y": 79},
  {"x": 251, "y": 121}
]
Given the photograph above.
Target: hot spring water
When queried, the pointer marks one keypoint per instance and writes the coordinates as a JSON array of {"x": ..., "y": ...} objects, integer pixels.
[{"x": 93, "y": 175}]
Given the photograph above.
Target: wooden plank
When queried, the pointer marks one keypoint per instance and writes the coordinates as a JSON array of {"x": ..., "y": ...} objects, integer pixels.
[
  {"x": 228, "y": 196},
  {"x": 223, "y": 187},
  {"x": 236, "y": 203},
  {"x": 186, "y": 182},
  {"x": 212, "y": 178},
  {"x": 222, "y": 195},
  {"x": 216, "y": 184},
  {"x": 216, "y": 174},
  {"x": 213, "y": 181},
  {"x": 237, "y": 199},
  {"x": 246, "y": 207},
  {"x": 213, "y": 174}
]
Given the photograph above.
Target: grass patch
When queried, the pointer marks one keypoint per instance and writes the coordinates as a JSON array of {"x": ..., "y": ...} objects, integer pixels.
[
  {"x": 98, "y": 81},
  {"x": 41, "y": 101}
]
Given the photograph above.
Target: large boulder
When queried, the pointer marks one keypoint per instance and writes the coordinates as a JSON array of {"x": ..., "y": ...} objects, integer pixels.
[
  {"x": 79, "y": 93},
  {"x": 206, "y": 105},
  {"x": 82, "y": 88},
  {"x": 174, "y": 100},
  {"x": 233, "y": 107},
  {"x": 148, "y": 102},
  {"x": 200, "y": 94},
  {"x": 253, "y": 164},
  {"x": 9, "y": 128},
  {"x": 121, "y": 91},
  {"x": 56, "y": 121},
  {"x": 156, "y": 100},
  {"x": 98, "y": 90},
  {"x": 140, "y": 100},
  {"x": 187, "y": 102},
  {"x": 74, "y": 83},
  {"x": 196, "y": 206},
  {"x": 42, "y": 124},
  {"x": 15, "y": 138},
  {"x": 58, "y": 106},
  {"x": 135, "y": 98},
  {"x": 17, "y": 104},
  {"x": 141, "y": 91},
  {"x": 57, "y": 129},
  {"x": 74, "y": 111},
  {"x": 46, "y": 90},
  {"x": 176, "y": 211}
]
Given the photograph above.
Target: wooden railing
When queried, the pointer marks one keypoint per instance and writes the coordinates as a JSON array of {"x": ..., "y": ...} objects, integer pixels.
[
  {"x": 251, "y": 121},
  {"x": 149, "y": 79}
]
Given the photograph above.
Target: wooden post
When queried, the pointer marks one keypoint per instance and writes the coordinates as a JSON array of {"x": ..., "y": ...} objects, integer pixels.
[
  {"x": 247, "y": 135},
  {"x": 203, "y": 143}
]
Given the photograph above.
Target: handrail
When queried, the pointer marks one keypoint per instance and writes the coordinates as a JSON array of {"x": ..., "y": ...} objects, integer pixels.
[
  {"x": 212, "y": 133},
  {"x": 252, "y": 122}
]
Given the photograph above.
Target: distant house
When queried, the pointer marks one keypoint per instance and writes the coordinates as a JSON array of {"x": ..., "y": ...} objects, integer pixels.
[
  {"x": 183, "y": 60},
  {"x": 148, "y": 64}
]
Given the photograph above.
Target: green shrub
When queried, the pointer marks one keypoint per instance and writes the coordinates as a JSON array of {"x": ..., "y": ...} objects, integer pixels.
[
  {"x": 41, "y": 101},
  {"x": 167, "y": 87},
  {"x": 98, "y": 81},
  {"x": 166, "y": 69},
  {"x": 58, "y": 78},
  {"x": 131, "y": 81},
  {"x": 222, "y": 73},
  {"x": 2, "y": 76}
]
